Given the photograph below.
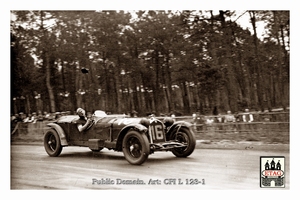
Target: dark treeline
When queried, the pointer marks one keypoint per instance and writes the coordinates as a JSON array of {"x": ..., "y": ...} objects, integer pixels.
[{"x": 148, "y": 61}]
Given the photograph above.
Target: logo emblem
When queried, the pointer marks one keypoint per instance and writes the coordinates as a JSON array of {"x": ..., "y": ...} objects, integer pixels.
[{"x": 272, "y": 172}]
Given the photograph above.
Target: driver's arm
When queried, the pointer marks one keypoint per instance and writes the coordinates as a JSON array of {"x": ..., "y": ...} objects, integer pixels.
[{"x": 83, "y": 127}]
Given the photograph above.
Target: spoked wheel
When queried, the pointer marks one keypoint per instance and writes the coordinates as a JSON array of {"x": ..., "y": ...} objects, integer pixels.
[
  {"x": 136, "y": 147},
  {"x": 186, "y": 137},
  {"x": 52, "y": 143}
]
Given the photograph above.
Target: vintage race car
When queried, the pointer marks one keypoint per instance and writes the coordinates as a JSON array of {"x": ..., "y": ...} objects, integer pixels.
[{"x": 136, "y": 137}]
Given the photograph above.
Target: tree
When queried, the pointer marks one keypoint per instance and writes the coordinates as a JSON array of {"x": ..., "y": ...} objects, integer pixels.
[{"x": 159, "y": 61}]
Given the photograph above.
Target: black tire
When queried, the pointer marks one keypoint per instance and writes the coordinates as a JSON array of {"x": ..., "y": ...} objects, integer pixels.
[
  {"x": 184, "y": 135},
  {"x": 136, "y": 147},
  {"x": 52, "y": 143}
]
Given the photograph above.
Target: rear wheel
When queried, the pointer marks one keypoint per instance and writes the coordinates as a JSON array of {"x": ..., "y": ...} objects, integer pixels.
[
  {"x": 184, "y": 136},
  {"x": 52, "y": 143},
  {"x": 136, "y": 147}
]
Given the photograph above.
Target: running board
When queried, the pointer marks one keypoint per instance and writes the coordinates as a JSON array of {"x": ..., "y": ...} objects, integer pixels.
[{"x": 166, "y": 146}]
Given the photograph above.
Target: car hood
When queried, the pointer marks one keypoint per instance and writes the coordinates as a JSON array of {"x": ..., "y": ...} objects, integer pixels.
[{"x": 119, "y": 120}]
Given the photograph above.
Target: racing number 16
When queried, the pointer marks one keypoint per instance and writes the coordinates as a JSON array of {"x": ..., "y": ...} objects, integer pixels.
[{"x": 157, "y": 132}]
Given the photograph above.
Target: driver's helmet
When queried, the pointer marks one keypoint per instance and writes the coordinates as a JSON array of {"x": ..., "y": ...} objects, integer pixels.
[{"x": 80, "y": 112}]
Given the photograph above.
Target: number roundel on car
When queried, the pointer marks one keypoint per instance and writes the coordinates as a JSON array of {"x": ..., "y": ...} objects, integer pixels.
[{"x": 156, "y": 129}]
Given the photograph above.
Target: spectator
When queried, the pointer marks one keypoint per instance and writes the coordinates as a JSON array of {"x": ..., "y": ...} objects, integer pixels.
[
  {"x": 22, "y": 116},
  {"x": 46, "y": 116},
  {"x": 13, "y": 118},
  {"x": 28, "y": 119},
  {"x": 220, "y": 118},
  {"x": 40, "y": 116},
  {"x": 25, "y": 118},
  {"x": 57, "y": 115},
  {"x": 16, "y": 118},
  {"x": 215, "y": 113},
  {"x": 247, "y": 117},
  {"x": 200, "y": 119},
  {"x": 238, "y": 117},
  {"x": 194, "y": 116},
  {"x": 33, "y": 117},
  {"x": 52, "y": 116},
  {"x": 266, "y": 116},
  {"x": 210, "y": 120},
  {"x": 134, "y": 113},
  {"x": 152, "y": 114},
  {"x": 229, "y": 117}
]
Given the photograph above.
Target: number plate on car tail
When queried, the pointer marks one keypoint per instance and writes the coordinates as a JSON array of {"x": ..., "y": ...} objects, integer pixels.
[{"x": 156, "y": 129}]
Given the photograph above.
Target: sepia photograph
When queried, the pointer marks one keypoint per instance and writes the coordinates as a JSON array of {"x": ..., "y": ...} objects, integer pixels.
[{"x": 150, "y": 99}]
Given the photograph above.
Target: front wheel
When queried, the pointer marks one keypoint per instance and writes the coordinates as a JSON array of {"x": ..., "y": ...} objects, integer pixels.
[
  {"x": 185, "y": 136},
  {"x": 52, "y": 143},
  {"x": 136, "y": 148}
]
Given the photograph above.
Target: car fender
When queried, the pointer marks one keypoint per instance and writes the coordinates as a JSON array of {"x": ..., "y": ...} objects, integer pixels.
[
  {"x": 139, "y": 127},
  {"x": 177, "y": 125},
  {"x": 60, "y": 132}
]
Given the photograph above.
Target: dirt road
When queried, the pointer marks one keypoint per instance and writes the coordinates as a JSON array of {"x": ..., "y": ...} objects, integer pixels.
[{"x": 80, "y": 168}]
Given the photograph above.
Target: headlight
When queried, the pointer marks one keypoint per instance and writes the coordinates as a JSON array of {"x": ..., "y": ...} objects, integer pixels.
[
  {"x": 145, "y": 122},
  {"x": 168, "y": 121}
]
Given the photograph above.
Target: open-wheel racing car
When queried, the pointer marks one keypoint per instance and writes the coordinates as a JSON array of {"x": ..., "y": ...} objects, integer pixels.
[{"x": 136, "y": 137}]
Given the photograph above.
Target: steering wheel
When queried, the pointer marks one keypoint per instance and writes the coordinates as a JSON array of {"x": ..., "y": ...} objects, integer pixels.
[{"x": 92, "y": 122}]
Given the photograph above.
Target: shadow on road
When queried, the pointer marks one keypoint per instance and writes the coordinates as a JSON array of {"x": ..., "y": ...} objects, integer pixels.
[{"x": 157, "y": 158}]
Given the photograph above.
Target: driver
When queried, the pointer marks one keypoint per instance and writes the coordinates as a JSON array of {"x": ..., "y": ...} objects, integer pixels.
[{"x": 83, "y": 122}]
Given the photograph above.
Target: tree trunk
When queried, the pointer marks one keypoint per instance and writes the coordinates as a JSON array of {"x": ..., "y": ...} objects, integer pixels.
[
  {"x": 280, "y": 60},
  {"x": 146, "y": 96},
  {"x": 78, "y": 79},
  {"x": 185, "y": 97},
  {"x": 118, "y": 88},
  {"x": 156, "y": 92},
  {"x": 168, "y": 85},
  {"x": 27, "y": 107},
  {"x": 135, "y": 101},
  {"x": 48, "y": 84},
  {"x": 258, "y": 72},
  {"x": 285, "y": 69},
  {"x": 47, "y": 63},
  {"x": 227, "y": 42}
]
